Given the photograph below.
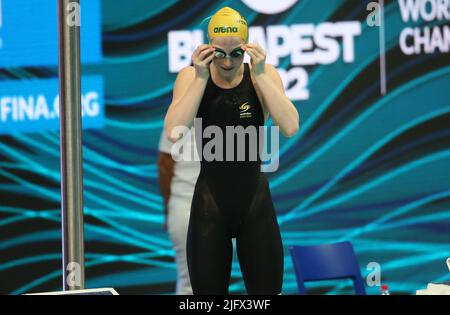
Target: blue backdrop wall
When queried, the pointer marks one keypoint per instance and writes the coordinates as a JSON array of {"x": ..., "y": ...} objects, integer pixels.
[{"x": 370, "y": 163}]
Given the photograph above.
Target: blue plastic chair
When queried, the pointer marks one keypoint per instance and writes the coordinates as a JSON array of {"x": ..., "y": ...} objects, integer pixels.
[{"x": 326, "y": 262}]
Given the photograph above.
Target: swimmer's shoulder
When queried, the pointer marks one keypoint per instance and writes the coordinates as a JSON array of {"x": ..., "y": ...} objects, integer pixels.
[
  {"x": 185, "y": 76},
  {"x": 188, "y": 72}
]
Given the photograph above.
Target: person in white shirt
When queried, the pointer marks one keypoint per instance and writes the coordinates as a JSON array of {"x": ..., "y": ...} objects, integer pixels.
[{"x": 177, "y": 182}]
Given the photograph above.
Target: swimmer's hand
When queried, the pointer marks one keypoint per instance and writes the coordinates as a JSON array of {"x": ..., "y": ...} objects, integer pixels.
[
  {"x": 201, "y": 58},
  {"x": 258, "y": 58}
]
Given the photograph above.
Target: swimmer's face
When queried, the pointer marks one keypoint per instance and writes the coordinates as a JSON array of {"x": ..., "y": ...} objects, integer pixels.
[{"x": 229, "y": 55}]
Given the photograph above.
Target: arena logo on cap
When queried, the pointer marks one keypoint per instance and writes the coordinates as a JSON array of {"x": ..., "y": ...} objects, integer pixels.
[
  {"x": 270, "y": 6},
  {"x": 225, "y": 29}
]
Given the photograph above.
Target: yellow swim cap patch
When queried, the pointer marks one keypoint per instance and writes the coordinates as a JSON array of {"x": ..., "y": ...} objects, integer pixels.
[{"x": 227, "y": 22}]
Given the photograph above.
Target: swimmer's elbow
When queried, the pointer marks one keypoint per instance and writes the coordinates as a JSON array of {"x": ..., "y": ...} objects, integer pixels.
[
  {"x": 293, "y": 127},
  {"x": 291, "y": 131},
  {"x": 168, "y": 129},
  {"x": 169, "y": 133},
  {"x": 174, "y": 134}
]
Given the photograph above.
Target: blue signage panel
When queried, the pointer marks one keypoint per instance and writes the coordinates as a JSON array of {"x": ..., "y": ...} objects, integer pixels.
[
  {"x": 29, "y": 32},
  {"x": 33, "y": 105}
]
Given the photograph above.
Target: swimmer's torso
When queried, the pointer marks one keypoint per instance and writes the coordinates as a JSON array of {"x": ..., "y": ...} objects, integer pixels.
[{"x": 232, "y": 175}]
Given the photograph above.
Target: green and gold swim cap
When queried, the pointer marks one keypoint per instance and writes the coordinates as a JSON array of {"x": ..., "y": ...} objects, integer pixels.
[{"x": 227, "y": 22}]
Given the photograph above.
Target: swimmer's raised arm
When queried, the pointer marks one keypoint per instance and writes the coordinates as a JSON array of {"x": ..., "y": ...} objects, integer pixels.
[{"x": 188, "y": 92}]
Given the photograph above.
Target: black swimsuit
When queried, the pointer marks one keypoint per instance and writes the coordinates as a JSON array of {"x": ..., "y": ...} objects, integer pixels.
[{"x": 232, "y": 200}]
